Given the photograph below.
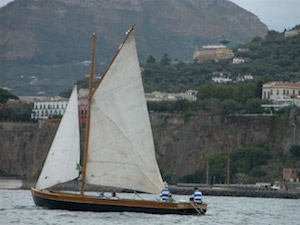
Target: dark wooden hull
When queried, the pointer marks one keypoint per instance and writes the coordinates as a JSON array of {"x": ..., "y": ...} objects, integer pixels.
[{"x": 77, "y": 202}]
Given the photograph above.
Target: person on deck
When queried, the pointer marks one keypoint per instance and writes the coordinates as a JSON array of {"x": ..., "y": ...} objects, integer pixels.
[
  {"x": 170, "y": 198},
  {"x": 197, "y": 196},
  {"x": 102, "y": 195},
  {"x": 164, "y": 194},
  {"x": 114, "y": 196}
]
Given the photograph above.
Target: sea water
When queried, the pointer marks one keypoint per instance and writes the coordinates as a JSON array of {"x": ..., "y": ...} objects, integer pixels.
[{"x": 17, "y": 207}]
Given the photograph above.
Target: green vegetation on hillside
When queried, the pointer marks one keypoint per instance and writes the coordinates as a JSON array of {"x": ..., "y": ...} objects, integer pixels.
[
  {"x": 272, "y": 58},
  {"x": 244, "y": 160},
  {"x": 217, "y": 99},
  {"x": 16, "y": 111},
  {"x": 13, "y": 111},
  {"x": 5, "y": 96}
]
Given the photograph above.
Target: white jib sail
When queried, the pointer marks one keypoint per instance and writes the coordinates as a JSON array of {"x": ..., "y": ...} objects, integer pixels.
[
  {"x": 63, "y": 156},
  {"x": 121, "y": 149}
]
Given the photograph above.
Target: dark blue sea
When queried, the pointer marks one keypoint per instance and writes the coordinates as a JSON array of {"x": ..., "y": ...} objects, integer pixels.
[{"x": 17, "y": 207}]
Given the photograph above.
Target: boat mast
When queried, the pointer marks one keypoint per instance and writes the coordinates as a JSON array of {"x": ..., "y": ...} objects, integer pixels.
[{"x": 88, "y": 116}]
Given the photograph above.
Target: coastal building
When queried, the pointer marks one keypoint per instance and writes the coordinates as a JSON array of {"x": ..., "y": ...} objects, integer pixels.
[
  {"x": 290, "y": 174},
  {"x": 213, "y": 52},
  {"x": 280, "y": 90},
  {"x": 190, "y": 95},
  {"x": 45, "y": 109}
]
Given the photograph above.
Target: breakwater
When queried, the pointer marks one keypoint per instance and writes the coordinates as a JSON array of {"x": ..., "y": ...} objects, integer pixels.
[{"x": 239, "y": 192}]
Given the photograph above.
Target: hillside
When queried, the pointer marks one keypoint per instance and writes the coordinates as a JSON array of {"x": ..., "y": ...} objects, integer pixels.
[
  {"x": 38, "y": 35},
  {"x": 271, "y": 58}
]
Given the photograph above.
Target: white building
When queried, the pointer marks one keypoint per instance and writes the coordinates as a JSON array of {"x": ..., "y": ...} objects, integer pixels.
[
  {"x": 280, "y": 90},
  {"x": 237, "y": 60},
  {"x": 244, "y": 78},
  {"x": 48, "y": 108},
  {"x": 190, "y": 95},
  {"x": 221, "y": 80}
]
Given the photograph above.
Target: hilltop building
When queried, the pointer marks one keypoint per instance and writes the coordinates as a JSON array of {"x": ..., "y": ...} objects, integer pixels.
[
  {"x": 291, "y": 33},
  {"x": 213, "y": 52}
]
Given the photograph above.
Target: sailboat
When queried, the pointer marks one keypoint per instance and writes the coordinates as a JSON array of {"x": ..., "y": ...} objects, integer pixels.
[{"x": 119, "y": 148}]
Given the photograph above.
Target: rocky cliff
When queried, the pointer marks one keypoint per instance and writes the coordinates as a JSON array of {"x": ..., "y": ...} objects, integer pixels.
[{"x": 181, "y": 143}]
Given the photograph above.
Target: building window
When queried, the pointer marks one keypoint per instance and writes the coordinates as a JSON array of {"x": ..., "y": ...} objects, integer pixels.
[
  {"x": 265, "y": 94},
  {"x": 284, "y": 92},
  {"x": 293, "y": 92},
  {"x": 271, "y": 92},
  {"x": 287, "y": 92},
  {"x": 277, "y": 92}
]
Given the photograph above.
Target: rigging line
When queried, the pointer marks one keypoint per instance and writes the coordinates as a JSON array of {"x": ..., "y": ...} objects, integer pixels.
[{"x": 138, "y": 195}]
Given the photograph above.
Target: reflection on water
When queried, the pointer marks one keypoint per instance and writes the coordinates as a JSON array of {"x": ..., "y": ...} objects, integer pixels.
[{"x": 17, "y": 207}]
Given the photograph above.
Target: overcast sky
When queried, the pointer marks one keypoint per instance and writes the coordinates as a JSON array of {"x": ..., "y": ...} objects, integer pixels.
[{"x": 276, "y": 14}]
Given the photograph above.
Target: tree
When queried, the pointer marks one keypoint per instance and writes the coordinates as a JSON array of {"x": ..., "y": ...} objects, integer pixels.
[
  {"x": 151, "y": 59},
  {"x": 165, "y": 60},
  {"x": 224, "y": 42},
  {"x": 5, "y": 95},
  {"x": 230, "y": 106}
]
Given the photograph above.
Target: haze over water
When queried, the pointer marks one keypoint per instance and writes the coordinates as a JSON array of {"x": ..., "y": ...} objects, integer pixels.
[{"x": 17, "y": 207}]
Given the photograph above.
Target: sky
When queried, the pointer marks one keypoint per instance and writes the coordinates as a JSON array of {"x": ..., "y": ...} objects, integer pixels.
[{"x": 276, "y": 14}]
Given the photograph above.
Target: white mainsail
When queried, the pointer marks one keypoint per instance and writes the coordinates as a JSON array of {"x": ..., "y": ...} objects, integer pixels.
[
  {"x": 121, "y": 150},
  {"x": 63, "y": 156}
]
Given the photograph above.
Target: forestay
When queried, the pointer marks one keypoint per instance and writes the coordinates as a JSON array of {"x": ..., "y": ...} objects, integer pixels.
[
  {"x": 63, "y": 156},
  {"x": 121, "y": 149}
]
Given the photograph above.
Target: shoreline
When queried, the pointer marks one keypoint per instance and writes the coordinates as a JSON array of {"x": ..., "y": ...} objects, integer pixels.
[{"x": 188, "y": 190}]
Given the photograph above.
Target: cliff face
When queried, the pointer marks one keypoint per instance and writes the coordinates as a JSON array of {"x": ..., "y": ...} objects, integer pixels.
[
  {"x": 181, "y": 144},
  {"x": 24, "y": 148}
]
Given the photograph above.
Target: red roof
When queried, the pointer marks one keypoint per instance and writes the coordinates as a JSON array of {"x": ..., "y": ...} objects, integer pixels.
[{"x": 283, "y": 84}]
